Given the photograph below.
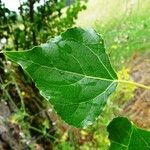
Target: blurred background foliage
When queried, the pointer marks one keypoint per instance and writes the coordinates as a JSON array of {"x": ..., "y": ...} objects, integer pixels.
[
  {"x": 36, "y": 23},
  {"x": 27, "y": 121}
]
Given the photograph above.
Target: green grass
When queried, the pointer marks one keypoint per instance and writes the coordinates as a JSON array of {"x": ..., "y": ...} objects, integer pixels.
[{"x": 125, "y": 39}]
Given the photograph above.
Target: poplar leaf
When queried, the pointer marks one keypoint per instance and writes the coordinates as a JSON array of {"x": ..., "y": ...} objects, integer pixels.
[
  {"x": 124, "y": 135},
  {"x": 73, "y": 72}
]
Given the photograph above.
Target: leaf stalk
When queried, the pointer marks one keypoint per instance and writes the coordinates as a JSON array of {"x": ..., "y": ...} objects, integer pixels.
[{"x": 134, "y": 83}]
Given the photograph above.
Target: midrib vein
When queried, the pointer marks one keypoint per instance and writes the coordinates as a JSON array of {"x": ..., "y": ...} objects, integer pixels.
[{"x": 69, "y": 72}]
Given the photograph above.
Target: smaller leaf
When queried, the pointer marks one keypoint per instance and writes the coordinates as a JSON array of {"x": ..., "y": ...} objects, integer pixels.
[{"x": 124, "y": 135}]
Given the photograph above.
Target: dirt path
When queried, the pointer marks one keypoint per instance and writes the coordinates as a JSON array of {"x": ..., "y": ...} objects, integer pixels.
[{"x": 138, "y": 109}]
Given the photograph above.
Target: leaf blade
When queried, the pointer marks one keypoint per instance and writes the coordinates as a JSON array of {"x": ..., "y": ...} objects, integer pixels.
[
  {"x": 72, "y": 71},
  {"x": 124, "y": 135}
]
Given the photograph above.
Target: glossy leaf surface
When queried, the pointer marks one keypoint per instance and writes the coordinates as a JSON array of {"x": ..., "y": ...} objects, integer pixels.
[
  {"x": 73, "y": 72},
  {"x": 124, "y": 135}
]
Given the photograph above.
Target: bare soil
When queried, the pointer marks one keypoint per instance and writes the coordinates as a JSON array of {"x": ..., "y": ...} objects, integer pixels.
[{"x": 138, "y": 110}]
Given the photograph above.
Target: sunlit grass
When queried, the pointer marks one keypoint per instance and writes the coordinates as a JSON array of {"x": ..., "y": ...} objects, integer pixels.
[{"x": 103, "y": 11}]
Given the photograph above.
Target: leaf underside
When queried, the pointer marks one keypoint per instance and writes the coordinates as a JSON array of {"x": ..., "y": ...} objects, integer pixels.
[
  {"x": 73, "y": 72},
  {"x": 126, "y": 136}
]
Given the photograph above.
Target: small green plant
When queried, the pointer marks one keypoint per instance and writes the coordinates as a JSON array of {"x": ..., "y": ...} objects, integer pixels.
[
  {"x": 125, "y": 92},
  {"x": 73, "y": 72}
]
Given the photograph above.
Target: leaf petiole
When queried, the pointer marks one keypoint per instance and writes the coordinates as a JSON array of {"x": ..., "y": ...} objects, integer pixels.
[{"x": 134, "y": 83}]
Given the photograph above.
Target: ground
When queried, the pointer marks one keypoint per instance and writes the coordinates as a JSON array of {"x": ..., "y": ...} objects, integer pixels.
[{"x": 138, "y": 109}]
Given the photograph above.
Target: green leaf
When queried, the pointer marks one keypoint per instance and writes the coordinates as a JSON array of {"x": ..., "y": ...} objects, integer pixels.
[
  {"x": 124, "y": 135},
  {"x": 73, "y": 72}
]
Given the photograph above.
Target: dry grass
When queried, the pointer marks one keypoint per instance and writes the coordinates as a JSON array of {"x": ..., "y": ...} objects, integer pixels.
[{"x": 102, "y": 11}]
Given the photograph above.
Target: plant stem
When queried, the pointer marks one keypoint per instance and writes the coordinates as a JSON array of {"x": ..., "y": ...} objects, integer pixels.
[
  {"x": 40, "y": 131},
  {"x": 19, "y": 93},
  {"x": 134, "y": 83},
  {"x": 8, "y": 95}
]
